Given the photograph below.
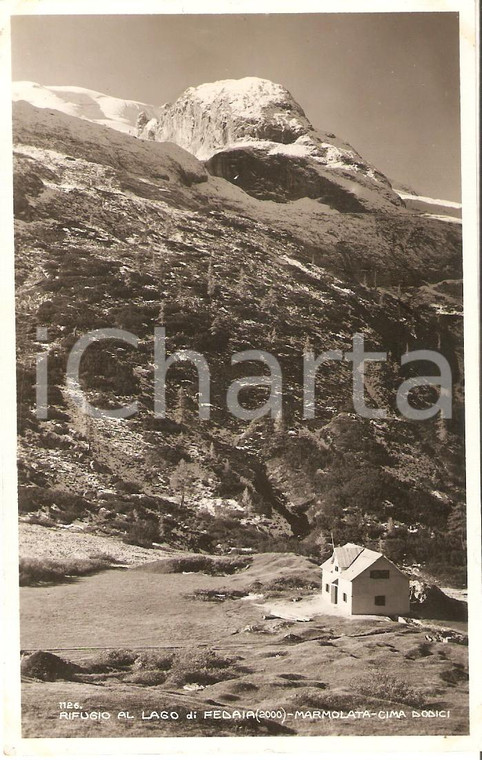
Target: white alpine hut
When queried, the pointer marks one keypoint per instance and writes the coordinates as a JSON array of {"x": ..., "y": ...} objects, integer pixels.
[{"x": 364, "y": 582}]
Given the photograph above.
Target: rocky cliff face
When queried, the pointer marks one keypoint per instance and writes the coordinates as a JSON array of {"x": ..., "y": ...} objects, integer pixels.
[
  {"x": 252, "y": 132},
  {"x": 207, "y": 118}
]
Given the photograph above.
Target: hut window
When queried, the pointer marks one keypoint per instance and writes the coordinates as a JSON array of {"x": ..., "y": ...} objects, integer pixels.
[
  {"x": 379, "y": 601},
  {"x": 379, "y": 573}
]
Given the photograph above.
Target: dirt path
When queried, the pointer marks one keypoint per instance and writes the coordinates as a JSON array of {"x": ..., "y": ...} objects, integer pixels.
[{"x": 308, "y": 608}]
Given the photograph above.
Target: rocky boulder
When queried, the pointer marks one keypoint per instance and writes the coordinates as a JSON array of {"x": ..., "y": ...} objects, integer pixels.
[
  {"x": 430, "y": 601},
  {"x": 45, "y": 666}
]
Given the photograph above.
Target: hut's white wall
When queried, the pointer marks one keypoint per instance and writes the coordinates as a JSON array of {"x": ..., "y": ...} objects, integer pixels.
[
  {"x": 345, "y": 595},
  {"x": 329, "y": 575},
  {"x": 395, "y": 589}
]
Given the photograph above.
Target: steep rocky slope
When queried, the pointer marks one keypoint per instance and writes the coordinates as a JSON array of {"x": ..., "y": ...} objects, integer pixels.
[{"x": 112, "y": 231}]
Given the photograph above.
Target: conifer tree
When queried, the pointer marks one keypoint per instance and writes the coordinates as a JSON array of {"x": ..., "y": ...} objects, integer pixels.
[
  {"x": 241, "y": 280},
  {"x": 246, "y": 498},
  {"x": 162, "y": 313},
  {"x": 211, "y": 282},
  {"x": 184, "y": 478},
  {"x": 268, "y": 301},
  {"x": 441, "y": 424},
  {"x": 180, "y": 409},
  {"x": 278, "y": 423}
]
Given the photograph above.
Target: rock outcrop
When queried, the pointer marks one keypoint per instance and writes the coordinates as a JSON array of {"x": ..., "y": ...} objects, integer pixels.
[
  {"x": 252, "y": 132},
  {"x": 431, "y": 602},
  {"x": 45, "y": 666}
]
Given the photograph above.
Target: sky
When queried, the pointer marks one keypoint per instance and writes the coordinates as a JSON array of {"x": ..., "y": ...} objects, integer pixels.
[{"x": 386, "y": 83}]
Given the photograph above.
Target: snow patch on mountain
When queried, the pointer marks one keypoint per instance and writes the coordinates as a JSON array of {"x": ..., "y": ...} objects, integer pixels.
[
  {"x": 426, "y": 199},
  {"x": 279, "y": 155},
  {"x": 250, "y": 112},
  {"x": 246, "y": 97},
  {"x": 83, "y": 103},
  {"x": 435, "y": 208}
]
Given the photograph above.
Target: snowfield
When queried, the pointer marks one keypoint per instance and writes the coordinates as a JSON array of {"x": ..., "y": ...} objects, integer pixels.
[
  {"x": 83, "y": 103},
  {"x": 426, "y": 199}
]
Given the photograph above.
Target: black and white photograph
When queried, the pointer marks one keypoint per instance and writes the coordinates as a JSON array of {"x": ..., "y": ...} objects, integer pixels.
[{"x": 241, "y": 364}]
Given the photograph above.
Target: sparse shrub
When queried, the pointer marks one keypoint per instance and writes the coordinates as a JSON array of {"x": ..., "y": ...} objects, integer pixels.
[
  {"x": 142, "y": 533},
  {"x": 34, "y": 571},
  {"x": 293, "y": 582},
  {"x": 203, "y": 666},
  {"x": 199, "y": 564},
  {"x": 47, "y": 522},
  {"x": 153, "y": 661},
  {"x": 34, "y": 497},
  {"x": 112, "y": 659},
  {"x": 455, "y": 675},
  {"x": 128, "y": 486},
  {"x": 105, "y": 557},
  {"x": 422, "y": 650},
  {"x": 216, "y": 595},
  {"x": 383, "y": 685},
  {"x": 148, "y": 668},
  {"x": 320, "y": 698},
  {"x": 240, "y": 687},
  {"x": 147, "y": 677},
  {"x": 228, "y": 697},
  {"x": 425, "y": 649}
]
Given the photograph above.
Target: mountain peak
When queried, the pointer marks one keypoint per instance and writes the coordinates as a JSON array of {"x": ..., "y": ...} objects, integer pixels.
[
  {"x": 252, "y": 132},
  {"x": 210, "y": 116},
  {"x": 248, "y": 91}
]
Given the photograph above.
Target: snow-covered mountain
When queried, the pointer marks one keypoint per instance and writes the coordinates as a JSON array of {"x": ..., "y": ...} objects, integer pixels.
[
  {"x": 237, "y": 124},
  {"x": 86, "y": 104},
  {"x": 250, "y": 112},
  {"x": 252, "y": 132}
]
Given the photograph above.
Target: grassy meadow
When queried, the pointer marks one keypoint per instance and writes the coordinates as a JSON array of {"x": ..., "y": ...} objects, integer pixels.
[{"x": 158, "y": 637}]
